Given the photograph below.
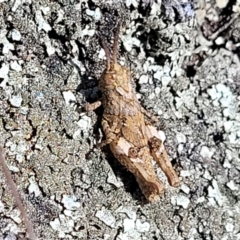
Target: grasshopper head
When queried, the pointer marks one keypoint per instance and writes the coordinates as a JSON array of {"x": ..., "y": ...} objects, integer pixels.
[{"x": 114, "y": 77}]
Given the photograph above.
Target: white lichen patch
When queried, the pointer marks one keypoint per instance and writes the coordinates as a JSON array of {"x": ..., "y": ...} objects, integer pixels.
[
  {"x": 33, "y": 187},
  {"x": 42, "y": 24},
  {"x": 106, "y": 216},
  {"x": 62, "y": 225},
  {"x": 142, "y": 227},
  {"x": 128, "y": 225},
  {"x": 70, "y": 202},
  {"x": 222, "y": 94},
  {"x": 15, "y": 66}
]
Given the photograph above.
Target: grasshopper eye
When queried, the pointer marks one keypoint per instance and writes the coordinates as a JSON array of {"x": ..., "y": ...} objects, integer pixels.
[{"x": 109, "y": 78}]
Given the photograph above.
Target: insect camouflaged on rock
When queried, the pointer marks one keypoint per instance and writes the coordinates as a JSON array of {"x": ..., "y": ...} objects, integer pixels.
[{"x": 128, "y": 129}]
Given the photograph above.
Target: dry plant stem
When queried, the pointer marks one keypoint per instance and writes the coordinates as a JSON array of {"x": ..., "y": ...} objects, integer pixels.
[{"x": 16, "y": 196}]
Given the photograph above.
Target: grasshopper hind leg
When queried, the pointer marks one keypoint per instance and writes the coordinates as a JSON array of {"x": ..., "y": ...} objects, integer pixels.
[
  {"x": 138, "y": 161},
  {"x": 160, "y": 155}
]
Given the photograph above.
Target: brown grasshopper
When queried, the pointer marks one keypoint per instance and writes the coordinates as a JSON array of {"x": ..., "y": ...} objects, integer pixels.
[{"x": 132, "y": 138}]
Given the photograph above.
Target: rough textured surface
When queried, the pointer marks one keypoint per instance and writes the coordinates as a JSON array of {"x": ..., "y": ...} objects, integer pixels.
[{"x": 185, "y": 65}]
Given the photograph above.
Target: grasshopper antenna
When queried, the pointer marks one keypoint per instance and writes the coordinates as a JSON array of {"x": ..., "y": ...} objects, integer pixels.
[
  {"x": 115, "y": 44},
  {"x": 106, "y": 50}
]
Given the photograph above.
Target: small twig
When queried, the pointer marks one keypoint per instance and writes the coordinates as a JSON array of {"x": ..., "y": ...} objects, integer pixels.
[{"x": 16, "y": 195}]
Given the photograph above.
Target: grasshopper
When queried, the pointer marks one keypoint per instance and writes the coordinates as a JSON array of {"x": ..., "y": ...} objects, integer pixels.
[{"x": 128, "y": 129}]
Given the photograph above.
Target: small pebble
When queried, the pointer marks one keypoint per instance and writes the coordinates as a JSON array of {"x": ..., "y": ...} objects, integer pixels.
[
  {"x": 181, "y": 138},
  {"x": 128, "y": 225},
  {"x": 143, "y": 79},
  {"x": 222, "y": 3},
  {"x": 157, "y": 90},
  {"x": 166, "y": 80},
  {"x": 183, "y": 201},
  {"x": 220, "y": 41},
  {"x": 33, "y": 187},
  {"x": 69, "y": 97},
  {"x": 113, "y": 180},
  {"x": 142, "y": 227},
  {"x": 232, "y": 185},
  {"x": 16, "y": 35},
  {"x": 229, "y": 227},
  {"x": 128, "y": 211},
  {"x": 42, "y": 24},
  {"x": 55, "y": 224},
  {"x": 84, "y": 123},
  {"x": 15, "y": 66},
  {"x": 214, "y": 192},
  {"x": 1, "y": 206},
  {"x": 106, "y": 216},
  {"x": 158, "y": 74},
  {"x": 70, "y": 202},
  {"x": 206, "y": 153},
  {"x": 16, "y": 101},
  {"x": 185, "y": 188}
]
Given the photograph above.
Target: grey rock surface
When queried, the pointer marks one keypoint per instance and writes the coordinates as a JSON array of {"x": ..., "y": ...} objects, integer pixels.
[{"x": 184, "y": 60}]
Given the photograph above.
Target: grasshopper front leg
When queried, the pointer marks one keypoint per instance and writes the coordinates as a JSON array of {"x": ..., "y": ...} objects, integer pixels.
[
  {"x": 90, "y": 107},
  {"x": 160, "y": 155},
  {"x": 109, "y": 132},
  {"x": 138, "y": 161}
]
